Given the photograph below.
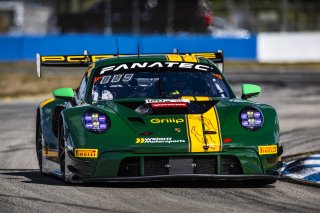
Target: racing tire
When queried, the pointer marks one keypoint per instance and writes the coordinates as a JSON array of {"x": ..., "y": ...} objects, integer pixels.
[
  {"x": 39, "y": 141},
  {"x": 61, "y": 150},
  {"x": 258, "y": 183}
]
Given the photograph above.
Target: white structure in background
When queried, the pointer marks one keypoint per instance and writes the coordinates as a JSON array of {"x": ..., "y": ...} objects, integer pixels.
[
  {"x": 26, "y": 18},
  {"x": 222, "y": 28},
  {"x": 288, "y": 47}
]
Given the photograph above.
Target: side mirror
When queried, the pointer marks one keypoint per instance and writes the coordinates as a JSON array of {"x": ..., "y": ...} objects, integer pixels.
[
  {"x": 250, "y": 90},
  {"x": 63, "y": 93}
]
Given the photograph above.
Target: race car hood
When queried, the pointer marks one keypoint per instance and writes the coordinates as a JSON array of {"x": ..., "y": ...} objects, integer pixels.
[
  {"x": 205, "y": 125},
  {"x": 157, "y": 127}
]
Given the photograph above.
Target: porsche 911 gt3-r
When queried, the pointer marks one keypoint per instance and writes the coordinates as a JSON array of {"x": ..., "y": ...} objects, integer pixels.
[{"x": 155, "y": 117}]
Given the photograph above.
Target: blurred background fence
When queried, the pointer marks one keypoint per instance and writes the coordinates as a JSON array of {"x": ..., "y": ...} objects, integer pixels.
[{"x": 244, "y": 29}]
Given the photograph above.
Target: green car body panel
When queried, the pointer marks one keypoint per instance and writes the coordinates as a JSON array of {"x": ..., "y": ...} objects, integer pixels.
[{"x": 123, "y": 150}]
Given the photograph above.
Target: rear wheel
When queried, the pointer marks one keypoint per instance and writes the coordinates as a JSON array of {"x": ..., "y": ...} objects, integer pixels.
[
  {"x": 257, "y": 182},
  {"x": 39, "y": 141}
]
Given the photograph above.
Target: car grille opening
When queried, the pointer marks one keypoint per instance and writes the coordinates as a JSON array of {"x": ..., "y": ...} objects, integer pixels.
[
  {"x": 205, "y": 165},
  {"x": 154, "y": 166},
  {"x": 230, "y": 165},
  {"x": 129, "y": 167}
]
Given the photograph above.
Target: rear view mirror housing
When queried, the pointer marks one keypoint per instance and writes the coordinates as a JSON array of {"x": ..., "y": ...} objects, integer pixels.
[
  {"x": 250, "y": 90},
  {"x": 64, "y": 93}
]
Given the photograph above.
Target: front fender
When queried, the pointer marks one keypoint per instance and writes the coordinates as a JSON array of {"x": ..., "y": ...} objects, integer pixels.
[{"x": 242, "y": 137}]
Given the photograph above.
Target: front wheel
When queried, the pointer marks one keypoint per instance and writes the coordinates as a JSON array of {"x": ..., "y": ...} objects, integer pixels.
[
  {"x": 39, "y": 141},
  {"x": 62, "y": 142}
]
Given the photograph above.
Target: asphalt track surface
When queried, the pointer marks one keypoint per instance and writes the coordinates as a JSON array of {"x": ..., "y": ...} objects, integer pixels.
[{"x": 22, "y": 189}]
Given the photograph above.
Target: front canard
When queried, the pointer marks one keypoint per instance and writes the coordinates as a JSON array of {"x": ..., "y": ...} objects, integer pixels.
[{"x": 86, "y": 153}]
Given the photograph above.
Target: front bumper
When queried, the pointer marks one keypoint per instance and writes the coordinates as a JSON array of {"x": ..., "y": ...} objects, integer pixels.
[
  {"x": 236, "y": 164},
  {"x": 181, "y": 177}
]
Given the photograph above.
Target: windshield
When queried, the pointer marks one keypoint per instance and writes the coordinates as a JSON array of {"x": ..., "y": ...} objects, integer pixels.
[{"x": 161, "y": 84}]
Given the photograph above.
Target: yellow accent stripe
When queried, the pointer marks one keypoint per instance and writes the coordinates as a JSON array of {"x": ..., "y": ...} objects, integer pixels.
[
  {"x": 190, "y": 98},
  {"x": 45, "y": 102},
  {"x": 204, "y": 55},
  {"x": 219, "y": 130},
  {"x": 89, "y": 71},
  {"x": 173, "y": 57},
  {"x": 197, "y": 125},
  {"x": 49, "y": 153},
  {"x": 188, "y": 135},
  {"x": 189, "y": 58},
  {"x": 202, "y": 98}
]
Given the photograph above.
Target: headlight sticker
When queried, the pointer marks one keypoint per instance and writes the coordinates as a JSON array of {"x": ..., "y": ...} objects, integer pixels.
[
  {"x": 96, "y": 121},
  {"x": 251, "y": 118}
]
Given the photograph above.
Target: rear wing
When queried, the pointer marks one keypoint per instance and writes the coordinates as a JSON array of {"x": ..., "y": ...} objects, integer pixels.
[{"x": 85, "y": 60}]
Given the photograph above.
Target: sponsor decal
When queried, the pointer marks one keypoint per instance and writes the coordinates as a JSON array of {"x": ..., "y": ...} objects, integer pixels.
[
  {"x": 74, "y": 58},
  {"x": 170, "y": 105},
  {"x": 93, "y": 58},
  {"x": 157, "y": 64},
  {"x": 158, "y": 140},
  {"x": 150, "y": 101},
  {"x": 86, "y": 153},
  {"x": 166, "y": 120},
  {"x": 266, "y": 150}
]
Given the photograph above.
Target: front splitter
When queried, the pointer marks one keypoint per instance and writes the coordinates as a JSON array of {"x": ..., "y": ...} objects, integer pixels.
[{"x": 187, "y": 177}]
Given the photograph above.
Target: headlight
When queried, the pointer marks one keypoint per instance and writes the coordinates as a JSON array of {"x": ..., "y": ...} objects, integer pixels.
[
  {"x": 96, "y": 121},
  {"x": 251, "y": 118}
]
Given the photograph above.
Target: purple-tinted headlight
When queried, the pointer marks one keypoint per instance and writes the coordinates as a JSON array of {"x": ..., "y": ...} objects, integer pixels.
[
  {"x": 257, "y": 121},
  {"x": 102, "y": 118},
  {"x": 88, "y": 118},
  {"x": 245, "y": 123},
  {"x": 95, "y": 121},
  {"x": 251, "y": 118},
  {"x": 89, "y": 125},
  {"x": 244, "y": 115},
  {"x": 257, "y": 114},
  {"x": 103, "y": 126}
]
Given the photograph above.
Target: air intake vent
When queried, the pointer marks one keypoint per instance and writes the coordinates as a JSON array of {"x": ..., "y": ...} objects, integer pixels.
[
  {"x": 230, "y": 165},
  {"x": 205, "y": 165},
  {"x": 156, "y": 166},
  {"x": 129, "y": 167}
]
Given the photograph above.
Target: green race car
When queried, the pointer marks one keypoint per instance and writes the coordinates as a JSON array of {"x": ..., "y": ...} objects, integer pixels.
[{"x": 155, "y": 117}]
